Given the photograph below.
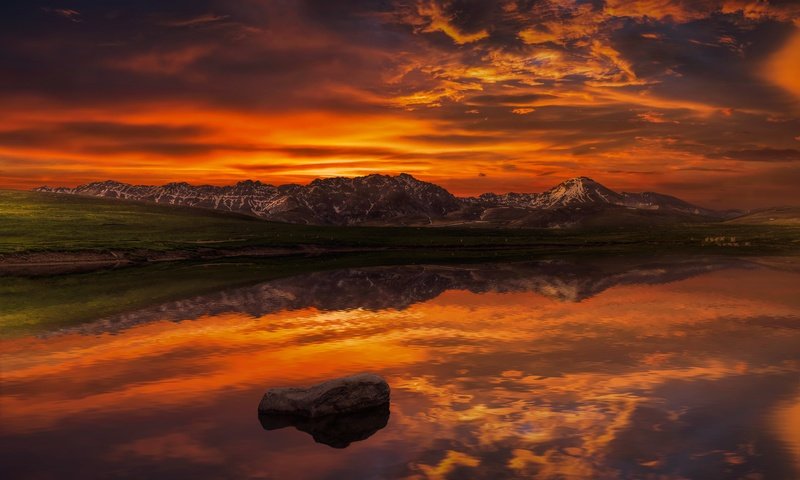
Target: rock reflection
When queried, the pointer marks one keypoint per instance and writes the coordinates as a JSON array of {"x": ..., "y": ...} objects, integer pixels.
[
  {"x": 399, "y": 287},
  {"x": 337, "y": 431}
]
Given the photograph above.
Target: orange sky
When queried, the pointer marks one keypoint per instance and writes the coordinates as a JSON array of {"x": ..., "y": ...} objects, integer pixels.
[{"x": 698, "y": 99}]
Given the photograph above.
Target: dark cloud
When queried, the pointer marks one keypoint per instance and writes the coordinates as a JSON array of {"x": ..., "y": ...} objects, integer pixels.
[
  {"x": 455, "y": 139},
  {"x": 225, "y": 53},
  {"x": 713, "y": 60},
  {"x": 508, "y": 99},
  {"x": 61, "y": 133},
  {"x": 707, "y": 169},
  {"x": 69, "y": 14},
  {"x": 760, "y": 155},
  {"x": 196, "y": 21}
]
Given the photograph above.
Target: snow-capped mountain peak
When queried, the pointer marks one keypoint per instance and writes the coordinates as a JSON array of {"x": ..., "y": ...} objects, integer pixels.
[{"x": 576, "y": 191}]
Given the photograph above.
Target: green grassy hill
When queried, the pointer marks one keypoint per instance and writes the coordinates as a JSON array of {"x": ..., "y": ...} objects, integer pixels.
[
  {"x": 45, "y": 221},
  {"x": 770, "y": 216}
]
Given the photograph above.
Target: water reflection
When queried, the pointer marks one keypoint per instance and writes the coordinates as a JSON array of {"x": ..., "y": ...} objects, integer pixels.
[
  {"x": 398, "y": 287},
  {"x": 337, "y": 431},
  {"x": 691, "y": 372}
]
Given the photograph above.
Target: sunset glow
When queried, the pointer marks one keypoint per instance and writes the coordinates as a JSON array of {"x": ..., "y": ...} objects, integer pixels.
[{"x": 696, "y": 99}]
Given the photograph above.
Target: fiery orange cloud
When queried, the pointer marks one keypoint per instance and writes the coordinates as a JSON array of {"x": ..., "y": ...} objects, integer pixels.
[
  {"x": 433, "y": 19},
  {"x": 517, "y": 96}
]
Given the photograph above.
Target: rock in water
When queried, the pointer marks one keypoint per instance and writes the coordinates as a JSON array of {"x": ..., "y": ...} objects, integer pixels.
[{"x": 342, "y": 395}]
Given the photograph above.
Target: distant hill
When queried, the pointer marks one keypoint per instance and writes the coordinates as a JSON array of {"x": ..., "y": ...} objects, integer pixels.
[
  {"x": 383, "y": 200},
  {"x": 770, "y": 216}
]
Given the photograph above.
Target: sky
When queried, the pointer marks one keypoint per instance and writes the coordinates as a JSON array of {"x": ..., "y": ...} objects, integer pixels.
[{"x": 699, "y": 99}]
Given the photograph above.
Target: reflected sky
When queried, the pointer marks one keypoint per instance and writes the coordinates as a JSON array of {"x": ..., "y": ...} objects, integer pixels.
[{"x": 660, "y": 369}]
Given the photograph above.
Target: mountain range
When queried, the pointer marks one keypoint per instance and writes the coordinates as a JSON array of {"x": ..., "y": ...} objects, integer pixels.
[{"x": 382, "y": 200}]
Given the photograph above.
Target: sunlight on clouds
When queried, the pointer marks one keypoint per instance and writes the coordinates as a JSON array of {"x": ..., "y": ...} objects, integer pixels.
[
  {"x": 656, "y": 9},
  {"x": 292, "y": 94},
  {"x": 432, "y": 19},
  {"x": 783, "y": 68}
]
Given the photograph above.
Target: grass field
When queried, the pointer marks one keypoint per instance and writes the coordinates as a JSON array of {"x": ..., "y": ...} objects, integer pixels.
[{"x": 42, "y": 222}]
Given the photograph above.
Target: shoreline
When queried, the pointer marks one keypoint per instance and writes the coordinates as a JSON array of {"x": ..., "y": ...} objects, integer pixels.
[
  {"x": 37, "y": 263},
  {"x": 58, "y": 262}
]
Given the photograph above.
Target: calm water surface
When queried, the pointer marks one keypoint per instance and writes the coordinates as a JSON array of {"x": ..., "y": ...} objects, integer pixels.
[{"x": 656, "y": 369}]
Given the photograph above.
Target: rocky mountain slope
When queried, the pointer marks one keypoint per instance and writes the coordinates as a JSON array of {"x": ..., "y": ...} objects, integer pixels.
[
  {"x": 404, "y": 200},
  {"x": 583, "y": 191}
]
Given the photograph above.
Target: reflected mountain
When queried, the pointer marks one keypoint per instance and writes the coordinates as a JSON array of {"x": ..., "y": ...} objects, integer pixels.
[
  {"x": 337, "y": 431},
  {"x": 398, "y": 287}
]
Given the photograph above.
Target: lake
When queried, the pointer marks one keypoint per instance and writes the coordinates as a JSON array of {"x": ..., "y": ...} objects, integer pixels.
[{"x": 601, "y": 368}]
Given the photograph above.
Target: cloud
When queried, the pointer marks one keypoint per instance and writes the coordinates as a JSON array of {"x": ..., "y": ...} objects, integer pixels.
[
  {"x": 459, "y": 139},
  {"x": 199, "y": 20},
  {"x": 184, "y": 90},
  {"x": 654, "y": 117},
  {"x": 432, "y": 18},
  {"x": 508, "y": 99},
  {"x": 661, "y": 10},
  {"x": 160, "y": 61},
  {"x": 69, "y": 14},
  {"x": 760, "y": 155},
  {"x": 59, "y": 134}
]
